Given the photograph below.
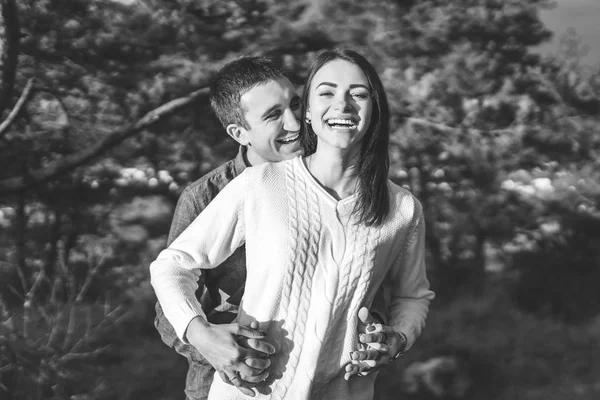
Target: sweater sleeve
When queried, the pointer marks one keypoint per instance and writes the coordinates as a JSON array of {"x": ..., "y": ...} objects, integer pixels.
[
  {"x": 209, "y": 240},
  {"x": 410, "y": 294}
]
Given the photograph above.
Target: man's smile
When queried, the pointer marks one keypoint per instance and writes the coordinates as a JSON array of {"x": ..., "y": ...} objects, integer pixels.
[{"x": 289, "y": 139}]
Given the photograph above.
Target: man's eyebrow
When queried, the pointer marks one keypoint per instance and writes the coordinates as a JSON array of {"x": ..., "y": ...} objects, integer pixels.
[{"x": 355, "y": 85}]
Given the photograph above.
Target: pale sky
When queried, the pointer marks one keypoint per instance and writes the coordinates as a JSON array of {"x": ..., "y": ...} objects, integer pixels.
[{"x": 581, "y": 15}]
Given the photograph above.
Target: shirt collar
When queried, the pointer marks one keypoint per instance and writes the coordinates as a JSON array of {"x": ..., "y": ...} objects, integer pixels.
[{"x": 239, "y": 162}]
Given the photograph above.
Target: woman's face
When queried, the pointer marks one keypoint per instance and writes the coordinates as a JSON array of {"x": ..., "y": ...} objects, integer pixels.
[{"x": 340, "y": 105}]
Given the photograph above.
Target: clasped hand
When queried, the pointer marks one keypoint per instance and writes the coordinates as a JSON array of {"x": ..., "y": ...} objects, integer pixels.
[
  {"x": 381, "y": 345},
  {"x": 236, "y": 352}
]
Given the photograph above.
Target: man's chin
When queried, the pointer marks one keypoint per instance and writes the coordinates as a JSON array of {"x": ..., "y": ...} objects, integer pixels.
[{"x": 291, "y": 150}]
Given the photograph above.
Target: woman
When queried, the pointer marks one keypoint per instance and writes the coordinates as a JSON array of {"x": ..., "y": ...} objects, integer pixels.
[{"x": 322, "y": 234}]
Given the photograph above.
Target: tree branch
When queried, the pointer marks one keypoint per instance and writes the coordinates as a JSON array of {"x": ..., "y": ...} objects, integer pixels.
[
  {"x": 10, "y": 56},
  {"x": 69, "y": 163},
  {"x": 17, "y": 109},
  {"x": 411, "y": 121}
]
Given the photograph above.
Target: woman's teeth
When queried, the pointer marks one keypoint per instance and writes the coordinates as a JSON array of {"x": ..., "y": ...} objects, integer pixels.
[{"x": 336, "y": 123}]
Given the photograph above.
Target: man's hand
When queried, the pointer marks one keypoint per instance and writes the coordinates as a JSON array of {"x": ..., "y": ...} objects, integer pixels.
[
  {"x": 382, "y": 344},
  {"x": 236, "y": 352}
]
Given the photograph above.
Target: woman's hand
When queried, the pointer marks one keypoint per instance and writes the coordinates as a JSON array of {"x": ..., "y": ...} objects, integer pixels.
[{"x": 382, "y": 345}]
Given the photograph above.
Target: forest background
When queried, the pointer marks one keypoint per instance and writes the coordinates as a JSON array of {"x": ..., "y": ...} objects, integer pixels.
[{"x": 104, "y": 119}]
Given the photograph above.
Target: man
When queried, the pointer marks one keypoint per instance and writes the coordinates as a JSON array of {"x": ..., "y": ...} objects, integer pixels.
[{"x": 259, "y": 108}]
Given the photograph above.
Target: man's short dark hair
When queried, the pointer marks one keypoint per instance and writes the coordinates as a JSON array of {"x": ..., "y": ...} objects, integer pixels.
[{"x": 233, "y": 81}]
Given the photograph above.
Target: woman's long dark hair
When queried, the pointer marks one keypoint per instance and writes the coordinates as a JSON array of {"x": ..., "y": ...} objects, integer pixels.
[{"x": 373, "y": 203}]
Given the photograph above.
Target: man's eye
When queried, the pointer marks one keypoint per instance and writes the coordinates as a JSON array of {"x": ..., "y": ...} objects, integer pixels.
[
  {"x": 274, "y": 114},
  {"x": 295, "y": 105}
]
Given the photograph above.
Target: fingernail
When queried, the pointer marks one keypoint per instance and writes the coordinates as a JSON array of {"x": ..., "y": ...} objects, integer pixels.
[
  {"x": 370, "y": 328},
  {"x": 354, "y": 355},
  {"x": 362, "y": 338}
]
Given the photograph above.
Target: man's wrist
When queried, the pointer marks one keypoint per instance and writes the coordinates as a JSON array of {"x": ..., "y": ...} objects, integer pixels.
[
  {"x": 401, "y": 347},
  {"x": 196, "y": 326}
]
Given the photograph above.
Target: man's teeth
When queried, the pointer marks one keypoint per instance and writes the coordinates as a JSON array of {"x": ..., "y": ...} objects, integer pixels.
[
  {"x": 289, "y": 139},
  {"x": 341, "y": 123}
]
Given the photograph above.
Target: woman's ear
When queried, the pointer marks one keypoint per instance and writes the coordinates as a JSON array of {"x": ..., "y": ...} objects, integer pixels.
[{"x": 238, "y": 134}]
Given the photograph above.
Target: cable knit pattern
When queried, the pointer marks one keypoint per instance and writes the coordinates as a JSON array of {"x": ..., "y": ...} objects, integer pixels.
[
  {"x": 310, "y": 269},
  {"x": 307, "y": 237}
]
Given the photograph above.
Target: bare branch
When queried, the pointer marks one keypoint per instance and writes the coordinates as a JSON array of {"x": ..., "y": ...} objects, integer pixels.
[
  {"x": 410, "y": 122},
  {"x": 84, "y": 356},
  {"x": 10, "y": 56},
  {"x": 17, "y": 108},
  {"x": 113, "y": 318},
  {"x": 69, "y": 163},
  {"x": 5, "y": 314},
  {"x": 29, "y": 297},
  {"x": 88, "y": 280}
]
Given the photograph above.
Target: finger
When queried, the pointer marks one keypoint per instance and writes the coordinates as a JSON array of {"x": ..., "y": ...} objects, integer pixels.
[
  {"x": 224, "y": 377},
  {"x": 252, "y": 378},
  {"x": 361, "y": 355},
  {"x": 363, "y": 369},
  {"x": 365, "y": 317},
  {"x": 358, "y": 369},
  {"x": 250, "y": 332},
  {"x": 235, "y": 381},
  {"x": 242, "y": 386},
  {"x": 351, "y": 370},
  {"x": 381, "y": 348},
  {"x": 387, "y": 330},
  {"x": 368, "y": 338},
  {"x": 247, "y": 391},
  {"x": 368, "y": 363},
  {"x": 256, "y": 347},
  {"x": 375, "y": 327},
  {"x": 258, "y": 363}
]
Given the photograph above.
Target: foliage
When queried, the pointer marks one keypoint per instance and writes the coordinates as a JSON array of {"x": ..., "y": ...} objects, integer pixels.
[
  {"x": 512, "y": 354},
  {"x": 53, "y": 346},
  {"x": 104, "y": 119}
]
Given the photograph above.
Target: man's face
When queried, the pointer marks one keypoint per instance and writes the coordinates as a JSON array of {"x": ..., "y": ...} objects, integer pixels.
[{"x": 272, "y": 112}]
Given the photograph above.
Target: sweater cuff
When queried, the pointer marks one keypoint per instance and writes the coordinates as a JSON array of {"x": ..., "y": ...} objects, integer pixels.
[{"x": 183, "y": 314}]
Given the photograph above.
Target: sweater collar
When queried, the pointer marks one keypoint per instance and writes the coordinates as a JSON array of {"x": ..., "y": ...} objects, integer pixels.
[{"x": 343, "y": 204}]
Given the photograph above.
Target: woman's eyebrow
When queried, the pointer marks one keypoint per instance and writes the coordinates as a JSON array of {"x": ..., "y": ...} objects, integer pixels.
[
  {"x": 327, "y": 84},
  {"x": 353, "y": 86}
]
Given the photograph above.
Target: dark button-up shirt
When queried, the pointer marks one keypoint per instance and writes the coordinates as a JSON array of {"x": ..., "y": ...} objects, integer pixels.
[{"x": 220, "y": 289}]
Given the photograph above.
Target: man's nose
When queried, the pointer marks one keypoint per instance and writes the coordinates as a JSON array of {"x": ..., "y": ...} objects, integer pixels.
[{"x": 291, "y": 122}]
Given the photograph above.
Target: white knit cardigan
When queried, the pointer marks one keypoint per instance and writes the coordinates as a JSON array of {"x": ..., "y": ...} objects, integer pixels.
[{"x": 310, "y": 269}]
